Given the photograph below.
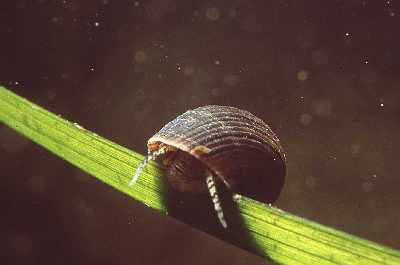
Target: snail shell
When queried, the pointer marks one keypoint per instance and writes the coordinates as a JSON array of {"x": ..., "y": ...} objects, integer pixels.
[{"x": 238, "y": 148}]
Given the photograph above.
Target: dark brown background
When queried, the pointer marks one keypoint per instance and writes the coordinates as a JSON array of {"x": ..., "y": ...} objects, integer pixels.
[{"x": 323, "y": 74}]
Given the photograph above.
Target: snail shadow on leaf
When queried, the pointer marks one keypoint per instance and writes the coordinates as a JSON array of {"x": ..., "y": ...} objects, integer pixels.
[{"x": 197, "y": 210}]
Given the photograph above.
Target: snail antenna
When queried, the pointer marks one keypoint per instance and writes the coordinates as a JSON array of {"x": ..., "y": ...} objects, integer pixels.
[
  {"x": 139, "y": 169},
  {"x": 150, "y": 156},
  {"x": 215, "y": 198}
]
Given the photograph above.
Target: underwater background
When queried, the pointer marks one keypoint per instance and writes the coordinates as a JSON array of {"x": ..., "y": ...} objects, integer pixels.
[{"x": 325, "y": 75}]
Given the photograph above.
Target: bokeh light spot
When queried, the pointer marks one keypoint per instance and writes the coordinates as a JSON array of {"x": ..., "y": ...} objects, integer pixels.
[
  {"x": 22, "y": 245},
  {"x": 305, "y": 119},
  {"x": 230, "y": 79},
  {"x": 140, "y": 56},
  {"x": 302, "y": 75},
  {"x": 319, "y": 57},
  {"x": 232, "y": 13},
  {"x": 188, "y": 70},
  {"x": 355, "y": 149},
  {"x": 322, "y": 107},
  {"x": 310, "y": 182},
  {"x": 212, "y": 13},
  {"x": 367, "y": 186}
]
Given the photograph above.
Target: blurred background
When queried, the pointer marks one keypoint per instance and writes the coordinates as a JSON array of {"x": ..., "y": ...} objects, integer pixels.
[{"x": 323, "y": 74}]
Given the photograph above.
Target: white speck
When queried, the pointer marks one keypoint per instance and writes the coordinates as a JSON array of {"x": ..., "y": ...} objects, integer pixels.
[
  {"x": 381, "y": 104},
  {"x": 136, "y": 3},
  {"x": 365, "y": 61},
  {"x": 178, "y": 67},
  {"x": 347, "y": 34},
  {"x": 78, "y": 126},
  {"x": 217, "y": 62},
  {"x": 16, "y": 83},
  {"x": 91, "y": 68},
  {"x": 96, "y": 24},
  {"x": 237, "y": 197}
]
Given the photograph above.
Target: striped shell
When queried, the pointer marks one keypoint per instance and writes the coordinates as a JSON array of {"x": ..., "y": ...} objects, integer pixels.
[{"x": 236, "y": 146}]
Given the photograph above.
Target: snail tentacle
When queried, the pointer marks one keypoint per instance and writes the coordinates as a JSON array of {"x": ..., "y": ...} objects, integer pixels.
[
  {"x": 140, "y": 169},
  {"x": 215, "y": 198}
]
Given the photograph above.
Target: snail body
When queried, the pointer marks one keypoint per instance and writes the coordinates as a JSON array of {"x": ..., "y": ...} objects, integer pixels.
[{"x": 222, "y": 145}]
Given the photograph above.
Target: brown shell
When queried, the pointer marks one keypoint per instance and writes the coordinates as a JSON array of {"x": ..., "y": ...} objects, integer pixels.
[{"x": 234, "y": 144}]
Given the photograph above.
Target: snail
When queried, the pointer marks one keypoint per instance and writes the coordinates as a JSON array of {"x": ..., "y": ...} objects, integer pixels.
[{"x": 219, "y": 145}]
